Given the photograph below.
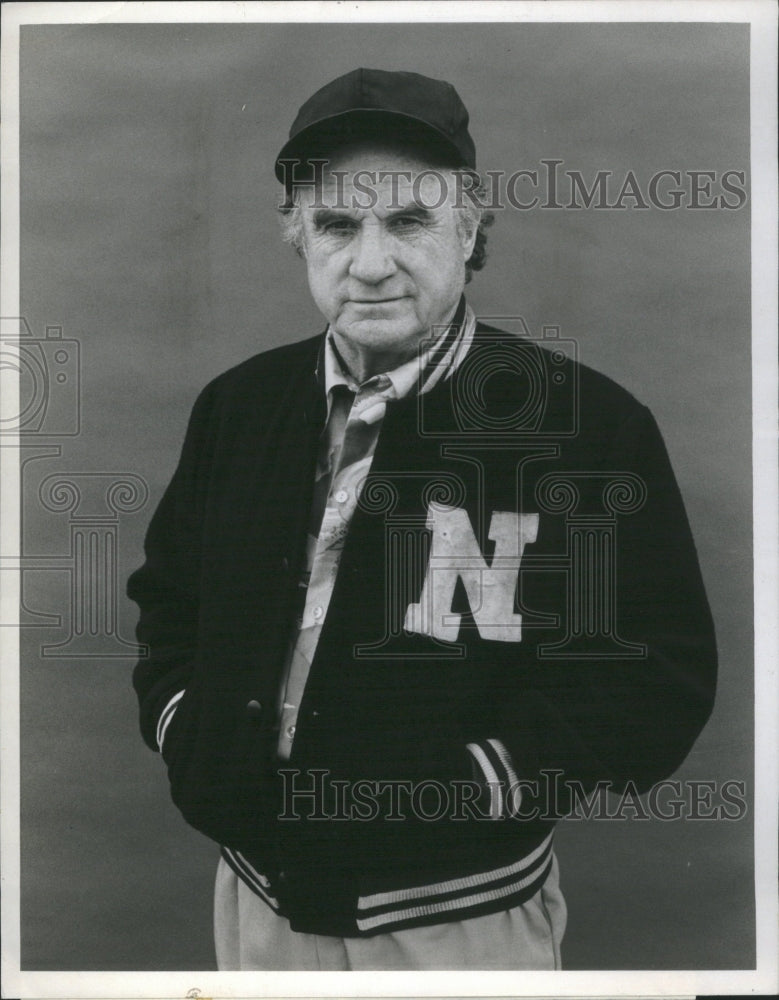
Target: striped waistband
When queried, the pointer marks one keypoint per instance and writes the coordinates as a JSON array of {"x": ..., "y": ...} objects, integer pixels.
[
  {"x": 456, "y": 898},
  {"x": 258, "y": 883},
  {"x": 433, "y": 902}
]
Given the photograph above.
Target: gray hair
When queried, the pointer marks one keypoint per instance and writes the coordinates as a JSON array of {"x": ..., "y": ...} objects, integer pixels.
[{"x": 470, "y": 215}]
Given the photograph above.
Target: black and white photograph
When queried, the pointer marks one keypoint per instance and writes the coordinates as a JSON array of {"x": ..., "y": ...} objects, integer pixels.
[{"x": 389, "y": 539}]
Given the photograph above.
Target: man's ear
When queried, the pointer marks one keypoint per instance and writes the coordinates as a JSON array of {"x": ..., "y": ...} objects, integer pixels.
[
  {"x": 302, "y": 242},
  {"x": 468, "y": 230}
]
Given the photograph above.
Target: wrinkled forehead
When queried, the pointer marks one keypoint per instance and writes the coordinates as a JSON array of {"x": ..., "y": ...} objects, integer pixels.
[{"x": 366, "y": 175}]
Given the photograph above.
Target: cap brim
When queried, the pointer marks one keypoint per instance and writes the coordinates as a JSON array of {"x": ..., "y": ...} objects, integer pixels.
[{"x": 324, "y": 136}]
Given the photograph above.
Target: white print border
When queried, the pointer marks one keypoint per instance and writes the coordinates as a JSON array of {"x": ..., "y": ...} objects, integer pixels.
[{"x": 763, "y": 17}]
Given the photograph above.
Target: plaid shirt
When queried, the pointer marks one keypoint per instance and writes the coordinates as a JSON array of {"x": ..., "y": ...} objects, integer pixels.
[{"x": 348, "y": 442}]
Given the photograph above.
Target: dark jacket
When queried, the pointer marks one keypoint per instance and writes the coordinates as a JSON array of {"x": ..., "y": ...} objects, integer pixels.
[{"x": 612, "y": 680}]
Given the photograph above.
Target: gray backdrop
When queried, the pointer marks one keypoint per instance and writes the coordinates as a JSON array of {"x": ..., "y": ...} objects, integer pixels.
[{"x": 148, "y": 235}]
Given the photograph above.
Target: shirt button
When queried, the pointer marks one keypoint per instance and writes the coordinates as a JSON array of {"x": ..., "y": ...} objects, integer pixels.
[
  {"x": 290, "y": 731},
  {"x": 318, "y": 612},
  {"x": 342, "y": 496},
  {"x": 254, "y": 709}
]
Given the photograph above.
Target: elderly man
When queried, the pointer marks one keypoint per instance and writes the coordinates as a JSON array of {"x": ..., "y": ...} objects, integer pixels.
[{"x": 415, "y": 584}]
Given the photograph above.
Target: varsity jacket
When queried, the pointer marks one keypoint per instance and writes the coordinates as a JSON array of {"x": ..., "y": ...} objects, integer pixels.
[{"x": 519, "y": 587}]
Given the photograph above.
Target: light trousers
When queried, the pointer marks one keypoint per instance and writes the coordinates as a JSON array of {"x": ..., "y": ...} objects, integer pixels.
[{"x": 249, "y": 935}]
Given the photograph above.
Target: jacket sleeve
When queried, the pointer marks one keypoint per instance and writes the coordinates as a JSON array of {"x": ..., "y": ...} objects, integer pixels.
[
  {"x": 165, "y": 587},
  {"x": 629, "y": 720}
]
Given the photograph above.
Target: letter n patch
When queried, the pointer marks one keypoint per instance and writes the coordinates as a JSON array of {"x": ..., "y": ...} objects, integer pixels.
[{"x": 455, "y": 554}]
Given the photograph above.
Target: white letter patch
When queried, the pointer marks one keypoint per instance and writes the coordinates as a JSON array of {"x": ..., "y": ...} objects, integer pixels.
[{"x": 454, "y": 554}]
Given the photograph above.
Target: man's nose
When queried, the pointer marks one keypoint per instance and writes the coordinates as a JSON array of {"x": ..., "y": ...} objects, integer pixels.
[{"x": 372, "y": 259}]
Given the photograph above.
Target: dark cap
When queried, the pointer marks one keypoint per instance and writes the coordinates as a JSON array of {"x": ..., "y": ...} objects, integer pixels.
[{"x": 377, "y": 103}]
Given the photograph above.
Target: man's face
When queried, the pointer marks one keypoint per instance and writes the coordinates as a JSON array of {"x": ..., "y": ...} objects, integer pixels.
[{"x": 384, "y": 274}]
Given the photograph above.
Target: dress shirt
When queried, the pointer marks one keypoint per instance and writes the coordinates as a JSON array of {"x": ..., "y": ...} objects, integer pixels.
[{"x": 354, "y": 417}]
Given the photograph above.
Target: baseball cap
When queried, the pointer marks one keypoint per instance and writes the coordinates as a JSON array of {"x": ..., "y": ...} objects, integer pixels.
[{"x": 368, "y": 103}]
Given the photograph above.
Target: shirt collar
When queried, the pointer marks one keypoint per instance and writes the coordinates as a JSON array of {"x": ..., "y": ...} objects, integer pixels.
[{"x": 440, "y": 355}]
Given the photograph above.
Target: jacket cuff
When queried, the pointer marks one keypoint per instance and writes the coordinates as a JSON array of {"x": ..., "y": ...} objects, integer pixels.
[
  {"x": 495, "y": 770},
  {"x": 165, "y": 718}
]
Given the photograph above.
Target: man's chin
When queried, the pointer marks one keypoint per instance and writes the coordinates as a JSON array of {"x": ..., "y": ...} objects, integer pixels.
[{"x": 381, "y": 332}]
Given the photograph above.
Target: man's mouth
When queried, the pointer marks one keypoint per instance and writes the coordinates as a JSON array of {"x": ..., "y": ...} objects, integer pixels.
[{"x": 377, "y": 302}]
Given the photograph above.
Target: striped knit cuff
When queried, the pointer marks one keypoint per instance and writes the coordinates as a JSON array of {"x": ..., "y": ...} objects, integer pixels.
[
  {"x": 165, "y": 718},
  {"x": 496, "y": 772}
]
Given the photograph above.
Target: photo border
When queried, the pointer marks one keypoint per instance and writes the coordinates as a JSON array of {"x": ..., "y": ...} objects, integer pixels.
[{"x": 762, "y": 16}]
